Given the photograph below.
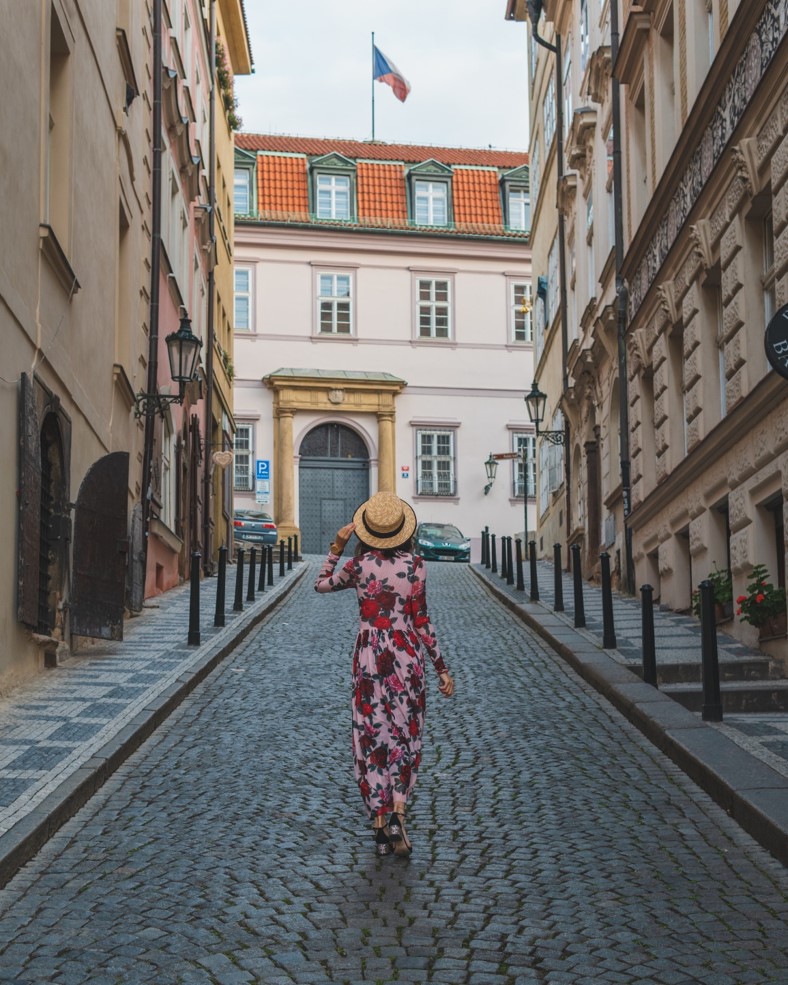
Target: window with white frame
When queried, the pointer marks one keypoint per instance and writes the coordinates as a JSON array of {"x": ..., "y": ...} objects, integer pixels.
[
  {"x": 243, "y": 458},
  {"x": 532, "y": 56},
  {"x": 553, "y": 287},
  {"x": 433, "y": 308},
  {"x": 242, "y": 191},
  {"x": 525, "y": 465},
  {"x": 519, "y": 209},
  {"x": 590, "y": 265},
  {"x": 334, "y": 304},
  {"x": 435, "y": 458},
  {"x": 548, "y": 113},
  {"x": 431, "y": 203},
  {"x": 521, "y": 305},
  {"x": 333, "y": 196},
  {"x": 557, "y": 454},
  {"x": 534, "y": 172},
  {"x": 242, "y": 302},
  {"x": 584, "y": 35},
  {"x": 567, "y": 87}
]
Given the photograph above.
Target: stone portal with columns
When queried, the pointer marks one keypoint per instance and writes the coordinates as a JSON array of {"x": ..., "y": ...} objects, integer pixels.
[{"x": 342, "y": 392}]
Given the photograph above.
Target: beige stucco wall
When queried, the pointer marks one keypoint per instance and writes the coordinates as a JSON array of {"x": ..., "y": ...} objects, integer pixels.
[{"x": 70, "y": 339}]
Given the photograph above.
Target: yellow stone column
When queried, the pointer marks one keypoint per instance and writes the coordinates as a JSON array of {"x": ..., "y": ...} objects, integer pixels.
[
  {"x": 386, "y": 462},
  {"x": 286, "y": 481}
]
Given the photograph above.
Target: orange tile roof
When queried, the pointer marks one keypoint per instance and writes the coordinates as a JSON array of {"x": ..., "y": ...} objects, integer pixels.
[
  {"x": 381, "y": 191},
  {"x": 381, "y": 182},
  {"x": 378, "y": 151},
  {"x": 282, "y": 186},
  {"x": 477, "y": 197}
]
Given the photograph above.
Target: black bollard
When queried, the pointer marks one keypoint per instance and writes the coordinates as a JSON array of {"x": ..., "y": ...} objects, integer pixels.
[
  {"x": 250, "y": 583},
  {"x": 289, "y": 553},
  {"x": 239, "y": 582},
  {"x": 580, "y": 612},
  {"x": 519, "y": 556},
  {"x": 194, "y": 601},
  {"x": 649, "y": 647},
  {"x": 221, "y": 580},
  {"x": 484, "y": 551},
  {"x": 261, "y": 578},
  {"x": 281, "y": 558},
  {"x": 270, "y": 565},
  {"x": 509, "y": 562},
  {"x": 295, "y": 548},
  {"x": 503, "y": 556},
  {"x": 608, "y": 629},
  {"x": 494, "y": 556},
  {"x": 712, "y": 702},
  {"x": 558, "y": 604},
  {"x": 486, "y": 559},
  {"x": 534, "y": 596}
]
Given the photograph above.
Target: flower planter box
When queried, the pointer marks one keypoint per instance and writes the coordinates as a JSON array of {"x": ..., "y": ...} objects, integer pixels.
[{"x": 774, "y": 628}]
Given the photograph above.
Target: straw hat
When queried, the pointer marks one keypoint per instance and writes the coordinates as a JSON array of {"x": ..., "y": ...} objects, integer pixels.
[{"x": 384, "y": 521}]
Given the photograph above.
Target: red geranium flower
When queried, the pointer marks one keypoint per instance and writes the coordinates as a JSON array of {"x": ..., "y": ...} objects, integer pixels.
[{"x": 760, "y": 597}]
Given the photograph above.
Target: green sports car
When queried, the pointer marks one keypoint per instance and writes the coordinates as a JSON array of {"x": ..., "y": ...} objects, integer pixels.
[{"x": 441, "y": 542}]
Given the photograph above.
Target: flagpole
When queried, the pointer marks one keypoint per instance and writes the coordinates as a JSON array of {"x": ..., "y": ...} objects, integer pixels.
[{"x": 373, "y": 86}]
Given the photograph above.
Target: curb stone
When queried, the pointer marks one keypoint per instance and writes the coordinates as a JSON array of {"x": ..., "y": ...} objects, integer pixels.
[
  {"x": 749, "y": 790},
  {"x": 22, "y": 841}
]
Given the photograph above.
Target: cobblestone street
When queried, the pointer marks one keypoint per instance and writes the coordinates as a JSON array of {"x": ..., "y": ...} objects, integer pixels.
[{"x": 552, "y": 843}]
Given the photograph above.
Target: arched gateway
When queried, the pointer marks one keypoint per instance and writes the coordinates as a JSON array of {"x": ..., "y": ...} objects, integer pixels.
[{"x": 333, "y": 479}]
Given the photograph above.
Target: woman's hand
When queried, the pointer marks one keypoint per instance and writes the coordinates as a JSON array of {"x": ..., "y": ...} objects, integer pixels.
[
  {"x": 344, "y": 534},
  {"x": 446, "y": 686}
]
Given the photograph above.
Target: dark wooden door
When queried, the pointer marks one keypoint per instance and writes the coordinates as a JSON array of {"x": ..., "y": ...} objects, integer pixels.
[{"x": 100, "y": 548}]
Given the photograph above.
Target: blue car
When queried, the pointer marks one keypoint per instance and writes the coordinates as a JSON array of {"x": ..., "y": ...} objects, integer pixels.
[
  {"x": 253, "y": 528},
  {"x": 441, "y": 542}
]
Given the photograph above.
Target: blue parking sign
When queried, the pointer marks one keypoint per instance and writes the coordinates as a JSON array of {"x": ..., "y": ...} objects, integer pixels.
[{"x": 263, "y": 470}]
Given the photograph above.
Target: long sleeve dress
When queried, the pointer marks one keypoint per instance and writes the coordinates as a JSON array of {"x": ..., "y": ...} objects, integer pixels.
[{"x": 389, "y": 696}]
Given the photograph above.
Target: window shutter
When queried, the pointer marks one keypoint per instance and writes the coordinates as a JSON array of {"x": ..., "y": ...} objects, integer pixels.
[{"x": 29, "y": 506}]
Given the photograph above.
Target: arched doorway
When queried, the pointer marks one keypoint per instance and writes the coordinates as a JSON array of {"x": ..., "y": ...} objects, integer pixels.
[{"x": 333, "y": 480}]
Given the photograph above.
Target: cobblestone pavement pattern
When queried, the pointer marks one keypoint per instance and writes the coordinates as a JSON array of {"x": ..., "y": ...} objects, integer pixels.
[{"x": 553, "y": 843}]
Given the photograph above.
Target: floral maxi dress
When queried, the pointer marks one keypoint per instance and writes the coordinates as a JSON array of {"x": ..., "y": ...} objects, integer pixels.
[{"x": 389, "y": 696}]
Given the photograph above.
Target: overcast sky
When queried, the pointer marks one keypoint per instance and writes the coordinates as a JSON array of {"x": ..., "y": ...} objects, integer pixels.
[{"x": 313, "y": 69}]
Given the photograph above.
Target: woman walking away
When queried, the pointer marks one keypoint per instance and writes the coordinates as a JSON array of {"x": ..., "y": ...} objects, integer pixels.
[{"x": 395, "y": 636}]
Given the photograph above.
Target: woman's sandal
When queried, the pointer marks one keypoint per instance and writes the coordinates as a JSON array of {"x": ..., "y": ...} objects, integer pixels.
[
  {"x": 398, "y": 837},
  {"x": 382, "y": 842}
]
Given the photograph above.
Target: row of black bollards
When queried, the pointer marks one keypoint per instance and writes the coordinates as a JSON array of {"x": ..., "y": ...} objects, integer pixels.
[
  {"x": 288, "y": 552},
  {"x": 712, "y": 702}
]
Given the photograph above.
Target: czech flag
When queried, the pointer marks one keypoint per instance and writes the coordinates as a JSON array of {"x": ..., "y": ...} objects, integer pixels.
[{"x": 384, "y": 70}]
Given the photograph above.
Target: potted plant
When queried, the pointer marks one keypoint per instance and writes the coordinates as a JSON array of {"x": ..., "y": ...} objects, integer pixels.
[
  {"x": 722, "y": 581},
  {"x": 763, "y": 605}
]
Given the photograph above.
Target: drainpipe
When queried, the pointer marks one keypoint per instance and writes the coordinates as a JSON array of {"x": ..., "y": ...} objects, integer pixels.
[
  {"x": 207, "y": 561},
  {"x": 535, "y": 12},
  {"x": 155, "y": 267},
  {"x": 622, "y": 299}
]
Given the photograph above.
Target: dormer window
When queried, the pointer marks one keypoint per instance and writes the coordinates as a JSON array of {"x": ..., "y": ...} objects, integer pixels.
[
  {"x": 333, "y": 188},
  {"x": 516, "y": 197},
  {"x": 333, "y": 196},
  {"x": 431, "y": 203},
  {"x": 429, "y": 186},
  {"x": 244, "y": 183}
]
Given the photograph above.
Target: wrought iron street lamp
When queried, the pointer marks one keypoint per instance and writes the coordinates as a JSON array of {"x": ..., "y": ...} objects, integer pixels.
[
  {"x": 535, "y": 401},
  {"x": 183, "y": 350},
  {"x": 490, "y": 467}
]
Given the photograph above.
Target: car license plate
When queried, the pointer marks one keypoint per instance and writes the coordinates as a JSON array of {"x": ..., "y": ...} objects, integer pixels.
[{"x": 445, "y": 557}]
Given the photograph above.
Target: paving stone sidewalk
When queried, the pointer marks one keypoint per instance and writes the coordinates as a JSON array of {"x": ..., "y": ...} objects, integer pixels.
[
  {"x": 742, "y": 762},
  {"x": 63, "y": 733}
]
